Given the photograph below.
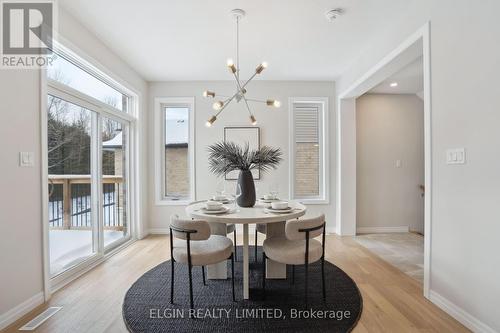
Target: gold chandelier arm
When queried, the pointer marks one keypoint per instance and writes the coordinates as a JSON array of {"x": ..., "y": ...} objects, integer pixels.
[
  {"x": 248, "y": 107},
  {"x": 226, "y": 104},
  {"x": 256, "y": 100},
  {"x": 248, "y": 81},
  {"x": 242, "y": 93}
]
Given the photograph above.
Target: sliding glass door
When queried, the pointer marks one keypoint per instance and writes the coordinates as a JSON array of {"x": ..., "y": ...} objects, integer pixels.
[
  {"x": 114, "y": 136},
  {"x": 82, "y": 221},
  {"x": 70, "y": 151},
  {"x": 88, "y": 163}
]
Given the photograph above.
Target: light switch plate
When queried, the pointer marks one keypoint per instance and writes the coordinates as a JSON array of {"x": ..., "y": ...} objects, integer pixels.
[
  {"x": 26, "y": 159},
  {"x": 455, "y": 156}
]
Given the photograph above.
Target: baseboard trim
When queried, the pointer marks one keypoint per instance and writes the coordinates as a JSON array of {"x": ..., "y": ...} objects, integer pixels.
[
  {"x": 378, "y": 230},
  {"x": 20, "y": 310},
  {"x": 331, "y": 230},
  {"x": 159, "y": 231},
  {"x": 460, "y": 314}
]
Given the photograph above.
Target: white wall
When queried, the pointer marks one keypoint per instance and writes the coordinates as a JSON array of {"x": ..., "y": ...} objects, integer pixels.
[
  {"x": 20, "y": 209},
  {"x": 274, "y": 132},
  {"x": 21, "y": 275},
  {"x": 390, "y": 127},
  {"x": 465, "y": 229}
]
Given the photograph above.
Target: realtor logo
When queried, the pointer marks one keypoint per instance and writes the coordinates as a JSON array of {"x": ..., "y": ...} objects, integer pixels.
[{"x": 27, "y": 31}]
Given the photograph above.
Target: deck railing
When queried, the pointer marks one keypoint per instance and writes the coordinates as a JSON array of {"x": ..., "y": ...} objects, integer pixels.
[{"x": 70, "y": 202}]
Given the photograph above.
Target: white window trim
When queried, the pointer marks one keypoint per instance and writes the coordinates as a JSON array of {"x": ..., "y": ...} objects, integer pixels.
[
  {"x": 324, "y": 197},
  {"x": 48, "y": 86},
  {"x": 159, "y": 155}
]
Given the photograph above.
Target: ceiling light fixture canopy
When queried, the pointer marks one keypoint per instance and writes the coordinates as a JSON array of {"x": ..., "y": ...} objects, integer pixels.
[
  {"x": 333, "y": 14},
  {"x": 240, "y": 95}
]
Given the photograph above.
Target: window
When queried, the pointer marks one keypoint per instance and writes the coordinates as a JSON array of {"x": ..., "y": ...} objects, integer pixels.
[
  {"x": 67, "y": 73},
  {"x": 88, "y": 168},
  {"x": 308, "y": 181},
  {"x": 174, "y": 153}
]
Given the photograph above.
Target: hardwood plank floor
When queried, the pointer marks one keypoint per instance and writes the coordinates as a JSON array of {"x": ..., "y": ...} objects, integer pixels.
[{"x": 393, "y": 301}]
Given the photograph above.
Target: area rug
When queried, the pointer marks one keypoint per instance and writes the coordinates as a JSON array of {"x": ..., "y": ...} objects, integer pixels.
[{"x": 147, "y": 308}]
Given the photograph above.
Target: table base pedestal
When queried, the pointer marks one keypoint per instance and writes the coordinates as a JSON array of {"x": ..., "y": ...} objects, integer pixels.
[{"x": 218, "y": 271}]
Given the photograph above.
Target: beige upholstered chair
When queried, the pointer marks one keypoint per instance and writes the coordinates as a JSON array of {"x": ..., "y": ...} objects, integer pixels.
[
  {"x": 230, "y": 228},
  {"x": 195, "y": 246},
  {"x": 298, "y": 247}
]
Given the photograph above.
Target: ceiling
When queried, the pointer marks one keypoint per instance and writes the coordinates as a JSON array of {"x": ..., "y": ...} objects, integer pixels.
[
  {"x": 190, "y": 40},
  {"x": 410, "y": 80}
]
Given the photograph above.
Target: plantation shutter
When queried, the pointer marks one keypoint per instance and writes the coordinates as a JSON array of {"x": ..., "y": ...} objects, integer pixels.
[{"x": 306, "y": 117}]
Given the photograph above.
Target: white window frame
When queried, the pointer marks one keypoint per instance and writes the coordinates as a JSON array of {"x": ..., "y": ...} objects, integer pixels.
[
  {"x": 324, "y": 181},
  {"x": 159, "y": 150},
  {"x": 99, "y": 109}
]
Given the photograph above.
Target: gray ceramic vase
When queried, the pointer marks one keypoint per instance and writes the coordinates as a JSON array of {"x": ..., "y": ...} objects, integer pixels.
[{"x": 245, "y": 180}]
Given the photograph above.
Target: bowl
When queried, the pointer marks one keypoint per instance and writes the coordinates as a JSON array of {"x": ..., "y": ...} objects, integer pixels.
[
  {"x": 213, "y": 205},
  {"x": 219, "y": 198},
  {"x": 279, "y": 205},
  {"x": 268, "y": 196}
]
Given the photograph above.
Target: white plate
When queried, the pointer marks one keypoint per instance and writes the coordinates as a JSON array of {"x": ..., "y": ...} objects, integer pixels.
[
  {"x": 280, "y": 211},
  {"x": 218, "y": 211}
]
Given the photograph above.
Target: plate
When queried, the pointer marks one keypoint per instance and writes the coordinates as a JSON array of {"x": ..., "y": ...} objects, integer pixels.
[
  {"x": 279, "y": 211},
  {"x": 219, "y": 211}
]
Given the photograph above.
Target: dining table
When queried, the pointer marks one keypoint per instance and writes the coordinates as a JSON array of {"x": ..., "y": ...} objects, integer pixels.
[{"x": 259, "y": 213}]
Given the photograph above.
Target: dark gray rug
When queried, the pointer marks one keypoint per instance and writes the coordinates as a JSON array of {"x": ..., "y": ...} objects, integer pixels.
[{"x": 147, "y": 308}]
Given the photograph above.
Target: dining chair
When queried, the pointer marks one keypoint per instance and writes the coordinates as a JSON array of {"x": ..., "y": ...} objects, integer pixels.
[
  {"x": 262, "y": 228},
  {"x": 298, "y": 247},
  {"x": 230, "y": 228},
  {"x": 195, "y": 246}
]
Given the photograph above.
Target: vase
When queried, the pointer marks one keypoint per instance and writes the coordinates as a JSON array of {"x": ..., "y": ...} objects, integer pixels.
[{"x": 245, "y": 180}]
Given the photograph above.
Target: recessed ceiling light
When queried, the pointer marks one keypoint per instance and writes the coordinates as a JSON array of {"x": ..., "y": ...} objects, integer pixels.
[{"x": 394, "y": 84}]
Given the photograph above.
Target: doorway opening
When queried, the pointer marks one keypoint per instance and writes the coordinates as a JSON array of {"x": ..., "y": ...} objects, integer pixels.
[
  {"x": 366, "y": 211},
  {"x": 390, "y": 170}
]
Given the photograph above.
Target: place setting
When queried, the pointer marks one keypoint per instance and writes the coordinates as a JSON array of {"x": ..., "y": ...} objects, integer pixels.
[
  {"x": 279, "y": 207},
  {"x": 218, "y": 204},
  {"x": 214, "y": 207}
]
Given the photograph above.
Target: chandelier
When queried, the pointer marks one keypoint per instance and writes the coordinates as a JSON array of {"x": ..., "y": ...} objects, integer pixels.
[{"x": 221, "y": 101}]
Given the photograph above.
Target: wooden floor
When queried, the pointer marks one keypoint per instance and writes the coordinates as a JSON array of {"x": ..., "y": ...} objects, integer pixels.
[{"x": 392, "y": 301}]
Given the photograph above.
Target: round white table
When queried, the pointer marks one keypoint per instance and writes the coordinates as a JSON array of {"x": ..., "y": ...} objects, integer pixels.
[{"x": 245, "y": 216}]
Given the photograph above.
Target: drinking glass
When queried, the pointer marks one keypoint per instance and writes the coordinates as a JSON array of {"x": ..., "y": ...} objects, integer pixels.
[
  {"x": 274, "y": 190},
  {"x": 237, "y": 194},
  {"x": 220, "y": 189}
]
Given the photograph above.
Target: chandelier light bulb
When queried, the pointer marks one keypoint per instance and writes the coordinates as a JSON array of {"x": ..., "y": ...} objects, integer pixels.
[
  {"x": 261, "y": 67},
  {"x": 272, "y": 102},
  {"x": 218, "y": 105},
  {"x": 208, "y": 93},
  {"x": 210, "y": 121},
  {"x": 253, "y": 120},
  {"x": 230, "y": 64}
]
